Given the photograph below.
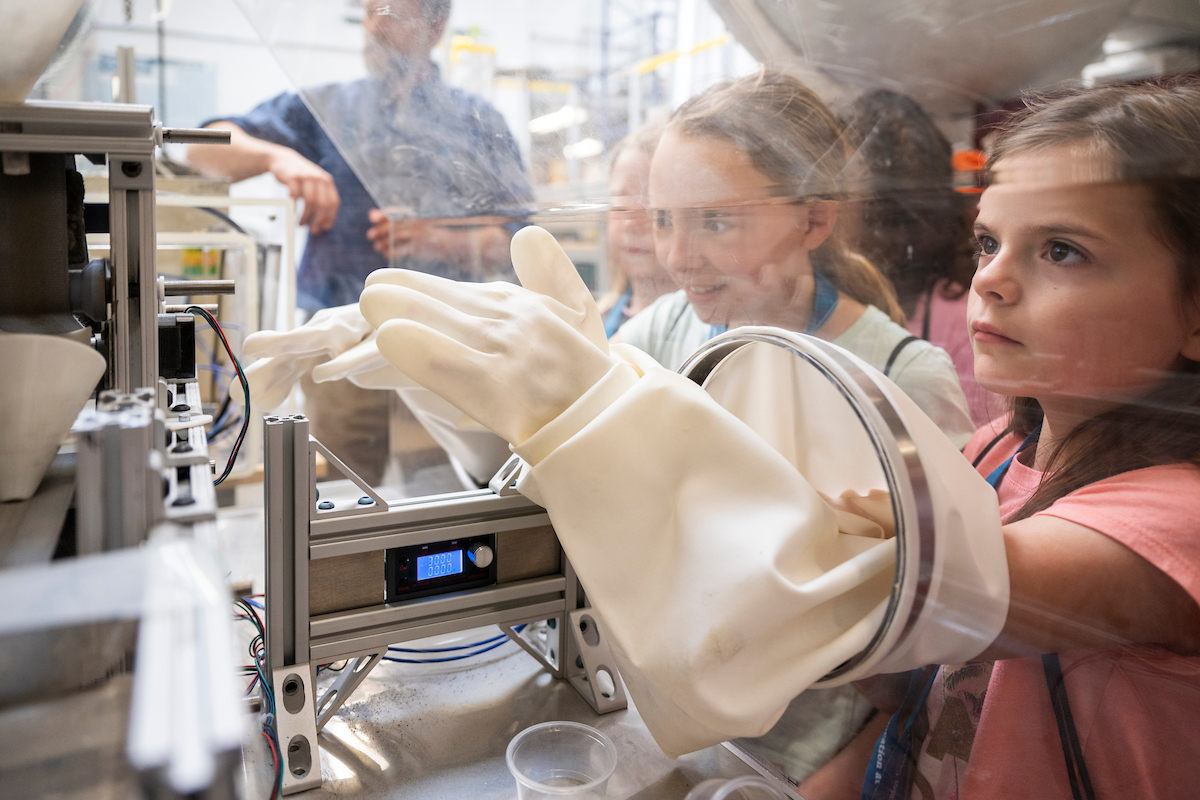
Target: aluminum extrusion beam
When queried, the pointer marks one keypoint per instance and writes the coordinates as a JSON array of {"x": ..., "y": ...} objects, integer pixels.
[{"x": 287, "y": 484}]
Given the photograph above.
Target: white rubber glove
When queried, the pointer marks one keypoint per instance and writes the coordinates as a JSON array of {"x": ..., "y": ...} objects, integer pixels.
[
  {"x": 364, "y": 366},
  {"x": 478, "y": 450},
  {"x": 512, "y": 358},
  {"x": 286, "y": 356},
  {"x": 725, "y": 582},
  {"x": 339, "y": 344}
]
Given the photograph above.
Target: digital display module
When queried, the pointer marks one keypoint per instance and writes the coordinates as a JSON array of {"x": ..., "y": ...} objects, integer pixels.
[{"x": 439, "y": 565}]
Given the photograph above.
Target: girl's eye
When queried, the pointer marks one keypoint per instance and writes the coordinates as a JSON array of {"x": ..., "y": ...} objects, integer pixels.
[
  {"x": 1063, "y": 253},
  {"x": 986, "y": 245},
  {"x": 715, "y": 225}
]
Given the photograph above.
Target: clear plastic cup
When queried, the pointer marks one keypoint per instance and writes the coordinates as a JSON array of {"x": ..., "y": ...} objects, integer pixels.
[
  {"x": 746, "y": 787},
  {"x": 561, "y": 759}
]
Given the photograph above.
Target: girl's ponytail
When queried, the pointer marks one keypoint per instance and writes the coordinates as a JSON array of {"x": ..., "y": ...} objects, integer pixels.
[{"x": 857, "y": 277}]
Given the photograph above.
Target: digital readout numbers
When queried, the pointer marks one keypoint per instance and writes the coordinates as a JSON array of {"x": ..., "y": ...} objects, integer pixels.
[{"x": 439, "y": 565}]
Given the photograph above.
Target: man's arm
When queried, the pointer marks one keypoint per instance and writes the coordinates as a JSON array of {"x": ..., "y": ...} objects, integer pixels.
[{"x": 246, "y": 156}]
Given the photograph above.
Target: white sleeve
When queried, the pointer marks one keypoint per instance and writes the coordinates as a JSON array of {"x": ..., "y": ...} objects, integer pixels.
[{"x": 719, "y": 574}]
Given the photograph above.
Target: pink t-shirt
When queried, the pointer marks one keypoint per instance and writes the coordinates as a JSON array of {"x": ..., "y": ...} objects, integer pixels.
[
  {"x": 992, "y": 731},
  {"x": 948, "y": 330}
]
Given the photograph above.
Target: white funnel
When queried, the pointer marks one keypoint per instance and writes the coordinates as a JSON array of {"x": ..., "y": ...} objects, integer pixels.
[
  {"x": 46, "y": 381},
  {"x": 30, "y": 30}
]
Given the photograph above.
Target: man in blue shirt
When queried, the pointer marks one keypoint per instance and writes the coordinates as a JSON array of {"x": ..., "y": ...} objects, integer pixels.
[
  {"x": 440, "y": 162},
  {"x": 397, "y": 169}
]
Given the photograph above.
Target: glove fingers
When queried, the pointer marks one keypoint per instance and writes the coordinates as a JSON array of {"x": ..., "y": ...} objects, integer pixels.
[
  {"x": 363, "y": 357},
  {"x": 330, "y": 331},
  {"x": 544, "y": 267},
  {"x": 453, "y": 371},
  {"x": 271, "y": 380},
  {"x": 388, "y": 302},
  {"x": 385, "y": 377},
  {"x": 267, "y": 344},
  {"x": 477, "y": 299}
]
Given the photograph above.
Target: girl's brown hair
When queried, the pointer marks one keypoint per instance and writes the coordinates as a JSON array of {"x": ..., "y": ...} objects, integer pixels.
[
  {"x": 1149, "y": 134},
  {"x": 793, "y": 138},
  {"x": 914, "y": 226}
]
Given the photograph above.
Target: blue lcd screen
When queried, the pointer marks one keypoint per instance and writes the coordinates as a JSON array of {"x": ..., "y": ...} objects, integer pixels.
[{"x": 439, "y": 565}]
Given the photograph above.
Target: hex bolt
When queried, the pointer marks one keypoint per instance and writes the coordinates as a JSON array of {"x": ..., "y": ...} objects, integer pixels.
[{"x": 181, "y": 447}]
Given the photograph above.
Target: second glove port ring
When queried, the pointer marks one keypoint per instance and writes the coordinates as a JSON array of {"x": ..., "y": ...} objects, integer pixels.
[{"x": 897, "y": 455}]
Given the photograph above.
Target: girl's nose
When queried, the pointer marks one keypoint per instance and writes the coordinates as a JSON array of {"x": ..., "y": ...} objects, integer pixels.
[
  {"x": 996, "y": 281},
  {"x": 675, "y": 250},
  {"x": 635, "y": 222}
]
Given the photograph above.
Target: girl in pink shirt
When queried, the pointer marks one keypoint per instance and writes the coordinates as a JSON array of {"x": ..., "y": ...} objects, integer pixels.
[{"x": 1085, "y": 309}]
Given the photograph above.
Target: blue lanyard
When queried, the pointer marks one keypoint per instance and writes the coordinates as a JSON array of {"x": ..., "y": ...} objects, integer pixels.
[
  {"x": 825, "y": 300},
  {"x": 997, "y": 476},
  {"x": 616, "y": 314},
  {"x": 889, "y": 774}
]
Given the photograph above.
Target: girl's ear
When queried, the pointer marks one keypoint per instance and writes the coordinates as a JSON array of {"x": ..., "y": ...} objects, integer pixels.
[{"x": 822, "y": 218}]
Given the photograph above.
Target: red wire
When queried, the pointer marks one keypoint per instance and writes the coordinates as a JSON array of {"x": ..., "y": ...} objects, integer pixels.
[
  {"x": 275, "y": 761},
  {"x": 216, "y": 326}
]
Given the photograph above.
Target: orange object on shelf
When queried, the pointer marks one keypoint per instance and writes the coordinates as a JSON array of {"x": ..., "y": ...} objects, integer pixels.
[{"x": 968, "y": 169}]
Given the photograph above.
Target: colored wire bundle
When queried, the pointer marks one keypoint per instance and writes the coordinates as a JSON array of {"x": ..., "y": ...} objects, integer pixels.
[
  {"x": 247, "y": 609},
  {"x": 241, "y": 374}
]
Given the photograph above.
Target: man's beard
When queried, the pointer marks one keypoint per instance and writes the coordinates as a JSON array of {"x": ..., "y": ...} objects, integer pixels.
[{"x": 389, "y": 67}]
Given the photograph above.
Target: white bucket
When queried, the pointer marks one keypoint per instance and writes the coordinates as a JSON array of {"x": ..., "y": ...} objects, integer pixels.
[
  {"x": 30, "y": 30},
  {"x": 47, "y": 381}
]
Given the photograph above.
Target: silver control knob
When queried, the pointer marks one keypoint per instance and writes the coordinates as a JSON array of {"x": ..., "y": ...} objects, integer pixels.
[{"x": 480, "y": 555}]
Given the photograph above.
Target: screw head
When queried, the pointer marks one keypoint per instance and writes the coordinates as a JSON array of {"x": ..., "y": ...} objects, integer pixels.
[
  {"x": 325, "y": 505},
  {"x": 131, "y": 169}
]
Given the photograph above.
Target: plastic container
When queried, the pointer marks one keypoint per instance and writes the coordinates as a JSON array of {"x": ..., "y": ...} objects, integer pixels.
[
  {"x": 746, "y": 787},
  {"x": 561, "y": 759}
]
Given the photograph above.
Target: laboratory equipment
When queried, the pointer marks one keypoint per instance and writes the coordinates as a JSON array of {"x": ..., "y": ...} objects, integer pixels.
[
  {"x": 115, "y": 635},
  {"x": 348, "y": 577},
  {"x": 561, "y": 759}
]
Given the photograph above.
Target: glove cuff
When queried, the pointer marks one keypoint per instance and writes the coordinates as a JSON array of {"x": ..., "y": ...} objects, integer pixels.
[{"x": 590, "y": 404}]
